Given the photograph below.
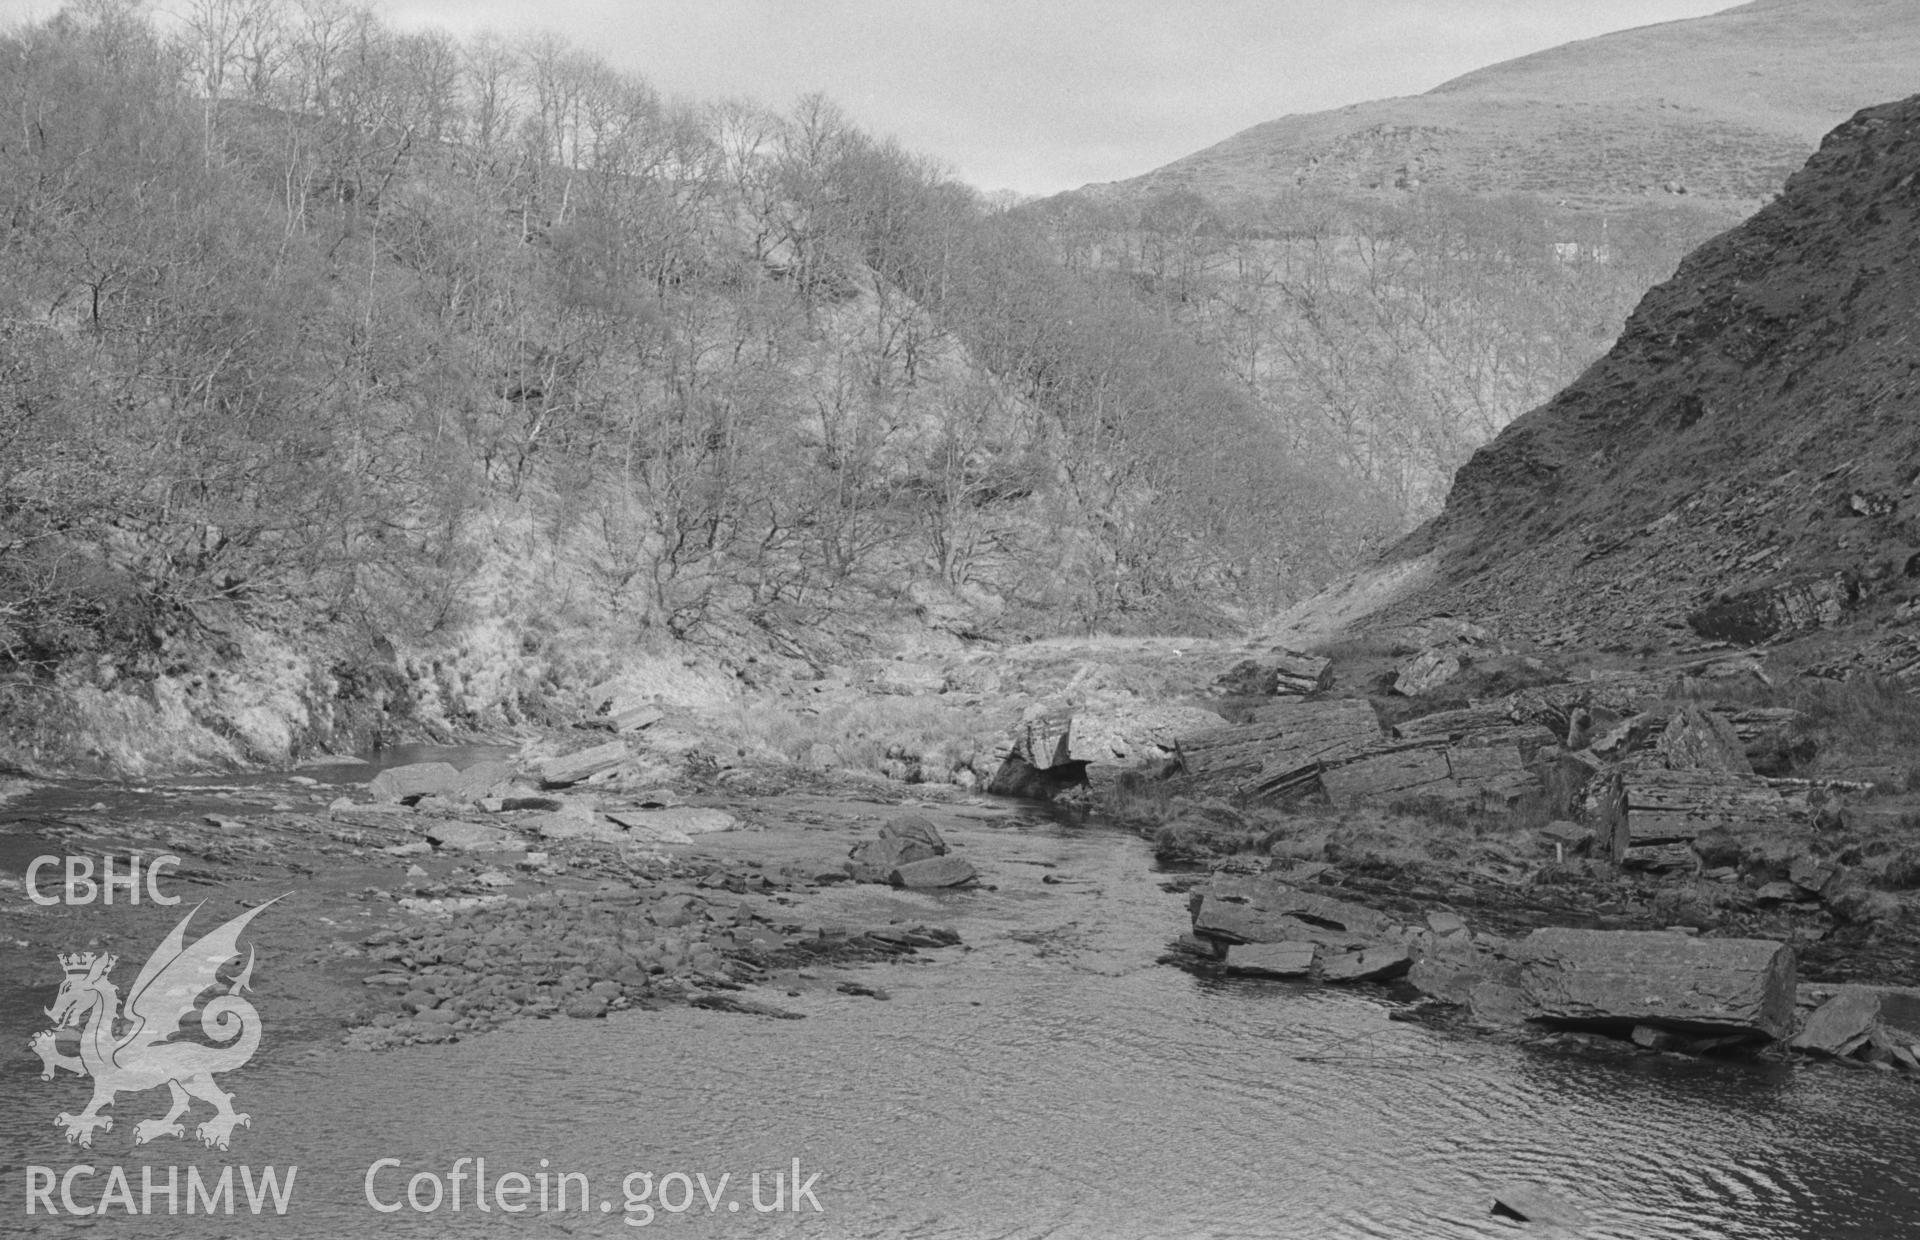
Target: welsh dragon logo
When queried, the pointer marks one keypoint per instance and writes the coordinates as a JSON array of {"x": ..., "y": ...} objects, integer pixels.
[{"x": 133, "y": 1050}]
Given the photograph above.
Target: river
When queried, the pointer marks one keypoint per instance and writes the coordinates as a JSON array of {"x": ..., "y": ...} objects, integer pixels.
[{"x": 1048, "y": 1080}]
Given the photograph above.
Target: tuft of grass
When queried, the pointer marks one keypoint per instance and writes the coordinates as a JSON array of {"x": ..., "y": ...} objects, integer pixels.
[{"x": 1138, "y": 801}]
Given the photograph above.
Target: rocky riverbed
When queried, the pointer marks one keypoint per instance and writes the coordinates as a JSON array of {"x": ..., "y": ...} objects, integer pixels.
[
  {"x": 406, "y": 917},
  {"x": 582, "y": 874}
]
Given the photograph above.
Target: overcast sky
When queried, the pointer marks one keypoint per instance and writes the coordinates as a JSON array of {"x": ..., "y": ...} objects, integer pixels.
[{"x": 1045, "y": 95}]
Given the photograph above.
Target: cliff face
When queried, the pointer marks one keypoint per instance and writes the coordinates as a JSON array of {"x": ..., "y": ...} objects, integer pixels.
[{"x": 1743, "y": 465}]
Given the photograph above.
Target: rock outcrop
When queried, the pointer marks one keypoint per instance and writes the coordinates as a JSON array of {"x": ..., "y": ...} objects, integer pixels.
[
  {"x": 1051, "y": 753},
  {"x": 1339, "y": 748}
]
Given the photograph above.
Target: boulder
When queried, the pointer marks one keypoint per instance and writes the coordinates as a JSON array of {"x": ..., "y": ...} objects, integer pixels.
[
  {"x": 1698, "y": 740},
  {"x": 1812, "y": 876},
  {"x": 1841, "y": 1025},
  {"x": 479, "y": 780},
  {"x": 1370, "y": 964},
  {"x": 1280, "y": 672},
  {"x": 1652, "y": 806},
  {"x": 567, "y": 769},
  {"x": 1852, "y": 1017},
  {"x": 1621, "y": 737},
  {"x": 914, "y": 827},
  {"x": 627, "y": 717},
  {"x": 1621, "y": 978},
  {"x": 874, "y": 861},
  {"x": 1271, "y": 959},
  {"x": 1526, "y": 1204},
  {"x": 1492, "y": 772},
  {"x": 1811, "y": 601},
  {"x": 1041, "y": 741},
  {"x": 934, "y": 872},
  {"x": 1389, "y": 776},
  {"x": 413, "y": 781},
  {"x": 1427, "y": 671},
  {"x": 1571, "y": 836},
  {"x": 1051, "y": 753}
]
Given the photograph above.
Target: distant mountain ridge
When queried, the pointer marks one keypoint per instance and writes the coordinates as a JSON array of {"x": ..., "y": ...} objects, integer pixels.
[{"x": 1718, "y": 109}]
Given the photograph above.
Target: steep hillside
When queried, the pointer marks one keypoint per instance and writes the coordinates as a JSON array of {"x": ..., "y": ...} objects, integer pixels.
[
  {"x": 1744, "y": 464},
  {"x": 1718, "y": 109},
  {"x": 339, "y": 403}
]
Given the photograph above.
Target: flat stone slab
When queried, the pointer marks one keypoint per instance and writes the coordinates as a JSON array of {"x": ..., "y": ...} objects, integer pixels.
[
  {"x": 934, "y": 872},
  {"x": 561, "y": 826},
  {"x": 573, "y": 767},
  {"x": 1240, "y": 923},
  {"x": 681, "y": 819},
  {"x": 633, "y": 718},
  {"x": 413, "y": 781},
  {"x": 1621, "y": 978},
  {"x": 380, "y": 813},
  {"x": 1256, "y": 909},
  {"x": 1370, "y": 964},
  {"x": 1272, "y": 959},
  {"x": 641, "y": 829},
  {"x": 472, "y": 837}
]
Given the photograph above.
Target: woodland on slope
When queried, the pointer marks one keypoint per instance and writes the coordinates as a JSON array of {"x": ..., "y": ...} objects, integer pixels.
[
  {"x": 302, "y": 312},
  {"x": 377, "y": 341}
]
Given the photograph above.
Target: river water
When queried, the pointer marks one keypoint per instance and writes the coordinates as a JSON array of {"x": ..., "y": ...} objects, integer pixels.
[{"x": 1048, "y": 1080}]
